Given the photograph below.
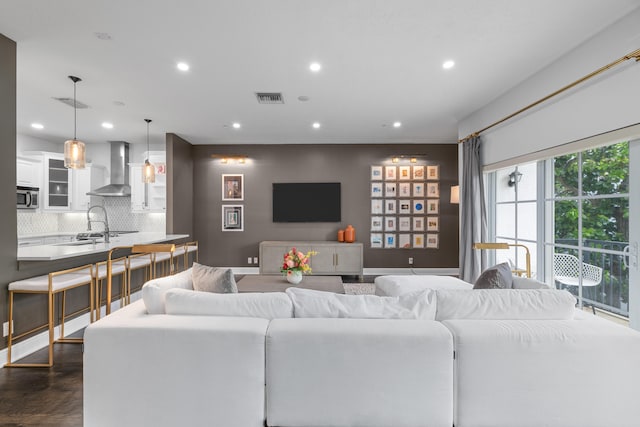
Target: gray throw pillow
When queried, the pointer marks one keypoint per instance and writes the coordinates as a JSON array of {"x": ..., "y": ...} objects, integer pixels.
[
  {"x": 496, "y": 277},
  {"x": 211, "y": 279}
]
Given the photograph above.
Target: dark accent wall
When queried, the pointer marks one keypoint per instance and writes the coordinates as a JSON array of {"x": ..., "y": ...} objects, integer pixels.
[
  {"x": 347, "y": 164},
  {"x": 179, "y": 186}
]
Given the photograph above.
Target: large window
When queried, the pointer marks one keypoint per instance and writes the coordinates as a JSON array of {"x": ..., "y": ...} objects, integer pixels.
[{"x": 572, "y": 212}]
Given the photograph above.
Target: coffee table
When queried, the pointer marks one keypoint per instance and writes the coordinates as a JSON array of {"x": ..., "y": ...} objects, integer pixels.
[{"x": 277, "y": 283}]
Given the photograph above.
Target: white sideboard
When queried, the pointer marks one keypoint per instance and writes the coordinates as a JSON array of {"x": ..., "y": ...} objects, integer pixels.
[{"x": 332, "y": 258}]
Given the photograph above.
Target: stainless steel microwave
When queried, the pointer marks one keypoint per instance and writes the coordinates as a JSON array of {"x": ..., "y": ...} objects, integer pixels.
[{"x": 27, "y": 197}]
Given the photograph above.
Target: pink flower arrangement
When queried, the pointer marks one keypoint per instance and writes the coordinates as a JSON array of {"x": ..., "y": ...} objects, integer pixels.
[{"x": 296, "y": 260}]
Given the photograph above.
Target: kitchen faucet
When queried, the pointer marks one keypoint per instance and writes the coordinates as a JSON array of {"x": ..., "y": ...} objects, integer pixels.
[{"x": 105, "y": 222}]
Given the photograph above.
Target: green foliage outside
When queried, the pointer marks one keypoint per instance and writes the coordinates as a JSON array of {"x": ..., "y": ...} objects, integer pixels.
[{"x": 605, "y": 171}]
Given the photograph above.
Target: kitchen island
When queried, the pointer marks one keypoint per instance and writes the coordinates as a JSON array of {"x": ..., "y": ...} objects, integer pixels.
[{"x": 79, "y": 248}]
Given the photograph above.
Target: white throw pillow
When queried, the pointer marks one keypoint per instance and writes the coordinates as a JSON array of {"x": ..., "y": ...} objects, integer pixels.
[
  {"x": 268, "y": 305},
  {"x": 505, "y": 304},
  {"x": 310, "y": 303},
  {"x": 153, "y": 292}
]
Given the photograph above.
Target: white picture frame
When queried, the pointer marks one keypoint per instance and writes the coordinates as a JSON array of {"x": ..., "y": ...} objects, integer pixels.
[
  {"x": 389, "y": 240},
  {"x": 390, "y": 206},
  {"x": 404, "y": 207},
  {"x": 377, "y": 206},
  {"x": 404, "y": 241},
  {"x": 376, "y": 240},
  {"x": 433, "y": 206},
  {"x": 418, "y": 189},
  {"x": 418, "y": 206},
  {"x": 404, "y": 172},
  {"x": 418, "y": 172},
  {"x": 404, "y": 223},
  {"x": 376, "y": 189},
  {"x": 433, "y": 172},
  {"x": 232, "y": 218},
  {"x": 389, "y": 223},
  {"x": 377, "y": 223},
  {"x": 432, "y": 241},
  {"x": 376, "y": 173},
  {"x": 433, "y": 189},
  {"x": 418, "y": 223},
  {"x": 232, "y": 187},
  {"x": 418, "y": 240},
  {"x": 433, "y": 223},
  {"x": 390, "y": 189},
  {"x": 390, "y": 173}
]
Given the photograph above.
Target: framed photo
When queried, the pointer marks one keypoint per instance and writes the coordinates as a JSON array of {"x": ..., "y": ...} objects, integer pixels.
[
  {"x": 433, "y": 172},
  {"x": 418, "y": 223},
  {"x": 404, "y": 241},
  {"x": 418, "y": 240},
  {"x": 376, "y": 189},
  {"x": 433, "y": 223},
  {"x": 404, "y": 172},
  {"x": 389, "y": 206},
  {"x": 418, "y": 172},
  {"x": 390, "y": 173},
  {"x": 390, "y": 189},
  {"x": 376, "y": 240},
  {"x": 376, "y": 223},
  {"x": 432, "y": 241},
  {"x": 389, "y": 223},
  {"x": 418, "y": 189},
  {"x": 376, "y": 173},
  {"x": 161, "y": 168},
  {"x": 232, "y": 187},
  {"x": 232, "y": 218},
  {"x": 404, "y": 189},
  {"x": 404, "y": 223},
  {"x": 389, "y": 240},
  {"x": 405, "y": 207},
  {"x": 418, "y": 207},
  {"x": 377, "y": 206},
  {"x": 433, "y": 189},
  {"x": 433, "y": 206}
]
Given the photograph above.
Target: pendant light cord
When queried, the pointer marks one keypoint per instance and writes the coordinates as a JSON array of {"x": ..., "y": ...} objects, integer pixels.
[
  {"x": 148, "y": 121},
  {"x": 75, "y": 111}
]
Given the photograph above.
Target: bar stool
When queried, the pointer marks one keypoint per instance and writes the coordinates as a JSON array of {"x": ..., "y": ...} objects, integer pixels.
[
  {"x": 100, "y": 274},
  {"x": 182, "y": 252},
  {"x": 136, "y": 262},
  {"x": 51, "y": 285},
  {"x": 135, "y": 249},
  {"x": 166, "y": 261}
]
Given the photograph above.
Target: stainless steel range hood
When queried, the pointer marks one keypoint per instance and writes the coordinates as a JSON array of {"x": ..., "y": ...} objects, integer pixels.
[{"x": 119, "y": 181}]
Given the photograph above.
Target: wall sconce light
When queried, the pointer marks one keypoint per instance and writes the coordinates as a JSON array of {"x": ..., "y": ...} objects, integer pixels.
[
  {"x": 395, "y": 159},
  {"x": 230, "y": 158},
  {"x": 514, "y": 177},
  {"x": 455, "y": 194},
  {"x": 402, "y": 157},
  {"x": 413, "y": 160}
]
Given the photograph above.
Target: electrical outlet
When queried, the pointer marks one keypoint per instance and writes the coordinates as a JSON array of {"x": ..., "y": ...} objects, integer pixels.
[
  {"x": 248, "y": 260},
  {"x": 410, "y": 261},
  {"x": 255, "y": 259},
  {"x": 5, "y": 328}
]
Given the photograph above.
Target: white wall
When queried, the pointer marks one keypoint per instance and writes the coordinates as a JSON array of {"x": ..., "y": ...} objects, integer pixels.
[{"x": 605, "y": 103}]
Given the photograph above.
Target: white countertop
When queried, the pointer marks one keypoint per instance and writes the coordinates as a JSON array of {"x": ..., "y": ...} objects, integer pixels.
[{"x": 72, "y": 249}]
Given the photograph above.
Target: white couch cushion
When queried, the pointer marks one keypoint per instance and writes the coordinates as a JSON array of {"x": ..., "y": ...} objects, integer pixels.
[
  {"x": 359, "y": 372},
  {"x": 268, "y": 305},
  {"x": 153, "y": 291},
  {"x": 310, "y": 303},
  {"x": 526, "y": 283},
  {"x": 491, "y": 304},
  {"x": 395, "y": 285}
]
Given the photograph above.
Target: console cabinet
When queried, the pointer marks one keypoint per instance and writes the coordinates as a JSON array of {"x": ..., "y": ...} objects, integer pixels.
[{"x": 332, "y": 258}]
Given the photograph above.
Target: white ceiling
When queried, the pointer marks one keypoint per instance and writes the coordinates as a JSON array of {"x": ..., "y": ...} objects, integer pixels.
[{"x": 382, "y": 62}]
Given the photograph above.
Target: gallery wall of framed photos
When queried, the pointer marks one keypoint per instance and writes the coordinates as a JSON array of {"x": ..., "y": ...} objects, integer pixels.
[{"x": 405, "y": 206}]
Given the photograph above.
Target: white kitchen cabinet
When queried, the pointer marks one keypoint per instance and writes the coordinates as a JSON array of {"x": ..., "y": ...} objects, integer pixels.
[
  {"x": 149, "y": 197},
  {"x": 138, "y": 196},
  {"x": 332, "y": 258},
  {"x": 29, "y": 172},
  {"x": 85, "y": 180},
  {"x": 56, "y": 194}
]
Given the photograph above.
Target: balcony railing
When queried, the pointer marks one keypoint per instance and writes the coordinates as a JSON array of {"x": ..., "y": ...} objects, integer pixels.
[{"x": 612, "y": 294}]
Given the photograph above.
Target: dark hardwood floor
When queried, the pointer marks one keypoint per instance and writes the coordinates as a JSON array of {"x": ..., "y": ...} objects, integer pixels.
[{"x": 44, "y": 396}]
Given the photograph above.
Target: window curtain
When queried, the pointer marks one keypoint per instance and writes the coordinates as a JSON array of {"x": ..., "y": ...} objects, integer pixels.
[{"x": 473, "y": 226}]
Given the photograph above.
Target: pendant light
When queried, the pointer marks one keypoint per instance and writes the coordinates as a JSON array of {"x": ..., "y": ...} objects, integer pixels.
[
  {"x": 74, "y": 153},
  {"x": 148, "y": 170}
]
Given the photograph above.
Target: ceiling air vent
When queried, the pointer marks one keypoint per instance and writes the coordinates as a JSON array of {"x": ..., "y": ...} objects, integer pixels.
[
  {"x": 69, "y": 102},
  {"x": 269, "y": 98}
]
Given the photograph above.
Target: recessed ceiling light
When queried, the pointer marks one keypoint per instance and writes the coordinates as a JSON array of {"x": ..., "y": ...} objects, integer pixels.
[
  {"x": 103, "y": 36},
  {"x": 315, "y": 67},
  {"x": 397, "y": 124},
  {"x": 183, "y": 66},
  {"x": 37, "y": 126},
  {"x": 316, "y": 125},
  {"x": 303, "y": 98},
  {"x": 107, "y": 125},
  {"x": 236, "y": 125},
  {"x": 448, "y": 64}
]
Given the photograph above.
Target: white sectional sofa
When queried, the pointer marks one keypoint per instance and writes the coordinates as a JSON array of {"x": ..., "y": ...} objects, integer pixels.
[{"x": 447, "y": 357}]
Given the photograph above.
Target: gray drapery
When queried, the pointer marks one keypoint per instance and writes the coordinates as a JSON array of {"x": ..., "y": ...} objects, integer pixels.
[{"x": 473, "y": 224}]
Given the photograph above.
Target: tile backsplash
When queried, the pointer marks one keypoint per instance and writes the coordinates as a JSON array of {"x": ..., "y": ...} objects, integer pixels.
[{"x": 119, "y": 214}]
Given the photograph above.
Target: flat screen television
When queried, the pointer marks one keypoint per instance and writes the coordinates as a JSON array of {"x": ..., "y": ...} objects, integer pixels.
[{"x": 306, "y": 202}]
